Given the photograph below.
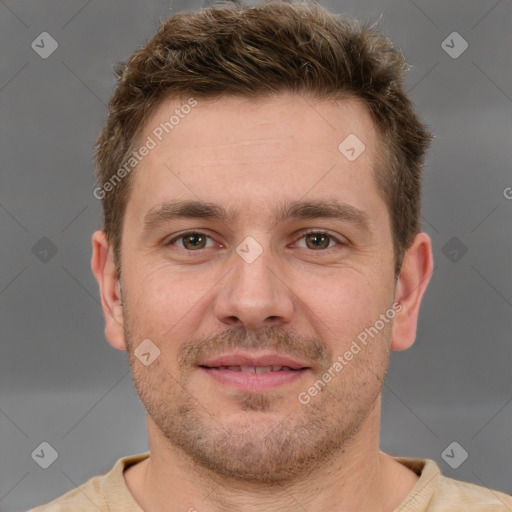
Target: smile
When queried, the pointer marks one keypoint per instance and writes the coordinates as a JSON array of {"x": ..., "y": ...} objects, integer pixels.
[{"x": 253, "y": 378}]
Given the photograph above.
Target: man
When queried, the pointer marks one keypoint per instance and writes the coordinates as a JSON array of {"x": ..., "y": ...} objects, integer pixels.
[{"x": 261, "y": 255}]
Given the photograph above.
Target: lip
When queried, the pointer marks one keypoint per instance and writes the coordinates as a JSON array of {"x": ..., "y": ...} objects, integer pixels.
[
  {"x": 246, "y": 359},
  {"x": 253, "y": 381}
]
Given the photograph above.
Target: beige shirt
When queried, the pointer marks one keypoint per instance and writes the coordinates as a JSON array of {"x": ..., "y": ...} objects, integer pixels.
[{"x": 433, "y": 492}]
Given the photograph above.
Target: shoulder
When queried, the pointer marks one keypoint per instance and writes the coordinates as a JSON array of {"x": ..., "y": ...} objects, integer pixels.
[
  {"x": 84, "y": 498},
  {"x": 455, "y": 495},
  {"x": 435, "y": 492},
  {"x": 101, "y": 493}
]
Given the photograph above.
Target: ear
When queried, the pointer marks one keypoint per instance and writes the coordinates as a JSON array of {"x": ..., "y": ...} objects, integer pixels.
[
  {"x": 414, "y": 277},
  {"x": 103, "y": 268}
]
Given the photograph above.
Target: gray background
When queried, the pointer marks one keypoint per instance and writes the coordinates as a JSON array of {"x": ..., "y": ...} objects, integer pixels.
[{"x": 60, "y": 381}]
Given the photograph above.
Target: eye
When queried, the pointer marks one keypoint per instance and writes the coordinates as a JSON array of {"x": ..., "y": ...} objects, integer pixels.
[
  {"x": 319, "y": 240},
  {"x": 191, "y": 240},
  {"x": 195, "y": 240}
]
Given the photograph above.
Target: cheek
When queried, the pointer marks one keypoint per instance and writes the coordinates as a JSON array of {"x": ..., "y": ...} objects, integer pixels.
[
  {"x": 166, "y": 307},
  {"x": 344, "y": 300}
]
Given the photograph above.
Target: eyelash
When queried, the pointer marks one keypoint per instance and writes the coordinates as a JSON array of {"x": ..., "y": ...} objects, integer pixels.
[{"x": 304, "y": 233}]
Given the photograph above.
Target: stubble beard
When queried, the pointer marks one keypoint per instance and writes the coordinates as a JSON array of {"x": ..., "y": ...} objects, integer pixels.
[{"x": 273, "y": 439}]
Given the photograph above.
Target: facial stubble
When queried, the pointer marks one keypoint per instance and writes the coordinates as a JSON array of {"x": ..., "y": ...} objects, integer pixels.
[{"x": 270, "y": 438}]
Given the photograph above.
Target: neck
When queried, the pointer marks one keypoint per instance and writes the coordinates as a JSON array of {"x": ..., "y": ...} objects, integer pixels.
[{"x": 359, "y": 477}]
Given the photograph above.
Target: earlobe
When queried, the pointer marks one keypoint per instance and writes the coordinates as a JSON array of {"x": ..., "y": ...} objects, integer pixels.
[
  {"x": 411, "y": 285},
  {"x": 103, "y": 268}
]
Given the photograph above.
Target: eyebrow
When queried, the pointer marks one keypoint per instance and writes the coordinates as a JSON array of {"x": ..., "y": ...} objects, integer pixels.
[{"x": 316, "y": 209}]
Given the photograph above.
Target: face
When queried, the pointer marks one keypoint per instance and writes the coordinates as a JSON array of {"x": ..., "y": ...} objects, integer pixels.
[{"x": 263, "y": 279}]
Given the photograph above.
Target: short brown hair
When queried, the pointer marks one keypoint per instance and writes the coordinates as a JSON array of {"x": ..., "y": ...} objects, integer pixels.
[{"x": 269, "y": 48}]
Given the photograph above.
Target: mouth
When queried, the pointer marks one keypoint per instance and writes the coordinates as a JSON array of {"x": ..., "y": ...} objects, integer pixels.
[
  {"x": 247, "y": 372},
  {"x": 254, "y": 369}
]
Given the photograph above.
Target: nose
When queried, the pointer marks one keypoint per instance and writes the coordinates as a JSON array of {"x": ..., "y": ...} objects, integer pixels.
[{"x": 254, "y": 294}]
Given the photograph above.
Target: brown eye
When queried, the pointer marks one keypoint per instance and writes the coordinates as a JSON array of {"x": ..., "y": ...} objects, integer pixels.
[
  {"x": 194, "y": 241},
  {"x": 318, "y": 240},
  {"x": 191, "y": 241}
]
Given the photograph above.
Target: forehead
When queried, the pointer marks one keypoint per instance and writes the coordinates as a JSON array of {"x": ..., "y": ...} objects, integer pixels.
[
  {"x": 247, "y": 153},
  {"x": 239, "y": 124}
]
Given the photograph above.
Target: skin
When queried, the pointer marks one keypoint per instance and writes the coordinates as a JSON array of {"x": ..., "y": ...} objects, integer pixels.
[{"x": 215, "y": 448}]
